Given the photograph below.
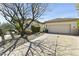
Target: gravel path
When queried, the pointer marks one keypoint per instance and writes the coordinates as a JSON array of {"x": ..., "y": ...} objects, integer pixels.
[
  {"x": 20, "y": 42},
  {"x": 55, "y": 44}
]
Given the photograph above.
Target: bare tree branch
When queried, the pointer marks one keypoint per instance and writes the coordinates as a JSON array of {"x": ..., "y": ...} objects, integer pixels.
[{"x": 17, "y": 14}]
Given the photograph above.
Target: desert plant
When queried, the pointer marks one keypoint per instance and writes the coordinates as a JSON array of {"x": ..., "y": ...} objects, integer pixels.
[{"x": 35, "y": 29}]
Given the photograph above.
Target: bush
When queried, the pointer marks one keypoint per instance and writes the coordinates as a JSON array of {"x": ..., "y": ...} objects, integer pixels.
[
  {"x": 78, "y": 31},
  {"x": 7, "y": 26},
  {"x": 46, "y": 31},
  {"x": 35, "y": 29},
  {"x": 1, "y": 32}
]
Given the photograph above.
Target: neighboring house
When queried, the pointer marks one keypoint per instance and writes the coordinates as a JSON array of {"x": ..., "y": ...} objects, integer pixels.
[
  {"x": 35, "y": 23},
  {"x": 63, "y": 25}
]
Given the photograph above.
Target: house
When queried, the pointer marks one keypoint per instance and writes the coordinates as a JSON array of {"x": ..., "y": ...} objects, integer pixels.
[
  {"x": 63, "y": 25},
  {"x": 35, "y": 23}
]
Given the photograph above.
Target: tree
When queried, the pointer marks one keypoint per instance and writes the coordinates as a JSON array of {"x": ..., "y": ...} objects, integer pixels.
[
  {"x": 77, "y": 8},
  {"x": 17, "y": 13},
  {"x": 7, "y": 26}
]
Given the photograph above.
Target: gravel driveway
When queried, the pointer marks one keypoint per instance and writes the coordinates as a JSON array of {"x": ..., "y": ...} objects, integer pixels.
[{"x": 57, "y": 45}]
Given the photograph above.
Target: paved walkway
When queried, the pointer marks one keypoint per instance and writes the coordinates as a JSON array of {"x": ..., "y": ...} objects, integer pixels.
[{"x": 61, "y": 45}]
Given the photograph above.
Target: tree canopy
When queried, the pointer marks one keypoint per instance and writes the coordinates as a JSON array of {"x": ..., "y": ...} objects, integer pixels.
[{"x": 17, "y": 13}]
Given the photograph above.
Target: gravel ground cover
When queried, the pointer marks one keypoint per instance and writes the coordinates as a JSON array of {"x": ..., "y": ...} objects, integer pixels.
[
  {"x": 20, "y": 42},
  {"x": 52, "y": 45}
]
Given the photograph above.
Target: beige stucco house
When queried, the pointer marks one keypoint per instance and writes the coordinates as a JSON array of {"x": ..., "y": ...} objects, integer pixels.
[
  {"x": 35, "y": 23},
  {"x": 63, "y": 25}
]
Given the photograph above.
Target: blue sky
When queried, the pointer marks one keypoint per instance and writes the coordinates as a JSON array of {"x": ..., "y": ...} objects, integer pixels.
[
  {"x": 60, "y": 10},
  {"x": 57, "y": 10}
]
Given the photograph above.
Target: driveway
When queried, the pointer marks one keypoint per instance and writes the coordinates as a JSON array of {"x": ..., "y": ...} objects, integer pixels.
[{"x": 60, "y": 45}]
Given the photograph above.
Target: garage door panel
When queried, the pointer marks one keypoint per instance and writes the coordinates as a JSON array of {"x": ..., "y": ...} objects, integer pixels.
[{"x": 65, "y": 28}]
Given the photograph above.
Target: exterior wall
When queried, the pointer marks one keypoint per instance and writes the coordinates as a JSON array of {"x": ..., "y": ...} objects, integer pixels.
[
  {"x": 73, "y": 27},
  {"x": 37, "y": 24}
]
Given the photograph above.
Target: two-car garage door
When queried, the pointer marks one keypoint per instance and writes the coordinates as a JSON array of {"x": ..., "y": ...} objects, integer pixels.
[{"x": 61, "y": 28}]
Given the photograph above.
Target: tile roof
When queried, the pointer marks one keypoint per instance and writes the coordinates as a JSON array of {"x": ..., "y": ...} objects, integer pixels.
[{"x": 61, "y": 19}]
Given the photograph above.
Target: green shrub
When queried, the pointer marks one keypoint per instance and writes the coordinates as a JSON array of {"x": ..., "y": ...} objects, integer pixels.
[
  {"x": 1, "y": 32},
  {"x": 46, "y": 31},
  {"x": 7, "y": 26},
  {"x": 78, "y": 31},
  {"x": 35, "y": 29}
]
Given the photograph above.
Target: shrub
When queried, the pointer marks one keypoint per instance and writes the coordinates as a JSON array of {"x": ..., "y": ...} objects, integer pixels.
[
  {"x": 35, "y": 29},
  {"x": 7, "y": 26},
  {"x": 1, "y": 32},
  {"x": 46, "y": 31},
  {"x": 78, "y": 31}
]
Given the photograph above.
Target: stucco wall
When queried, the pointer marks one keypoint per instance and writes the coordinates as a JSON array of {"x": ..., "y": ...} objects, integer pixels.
[{"x": 73, "y": 24}]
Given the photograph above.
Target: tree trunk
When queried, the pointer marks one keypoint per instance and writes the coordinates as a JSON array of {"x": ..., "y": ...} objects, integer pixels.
[{"x": 22, "y": 33}]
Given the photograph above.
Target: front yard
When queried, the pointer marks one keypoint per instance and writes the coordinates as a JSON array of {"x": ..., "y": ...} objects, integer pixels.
[{"x": 51, "y": 44}]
